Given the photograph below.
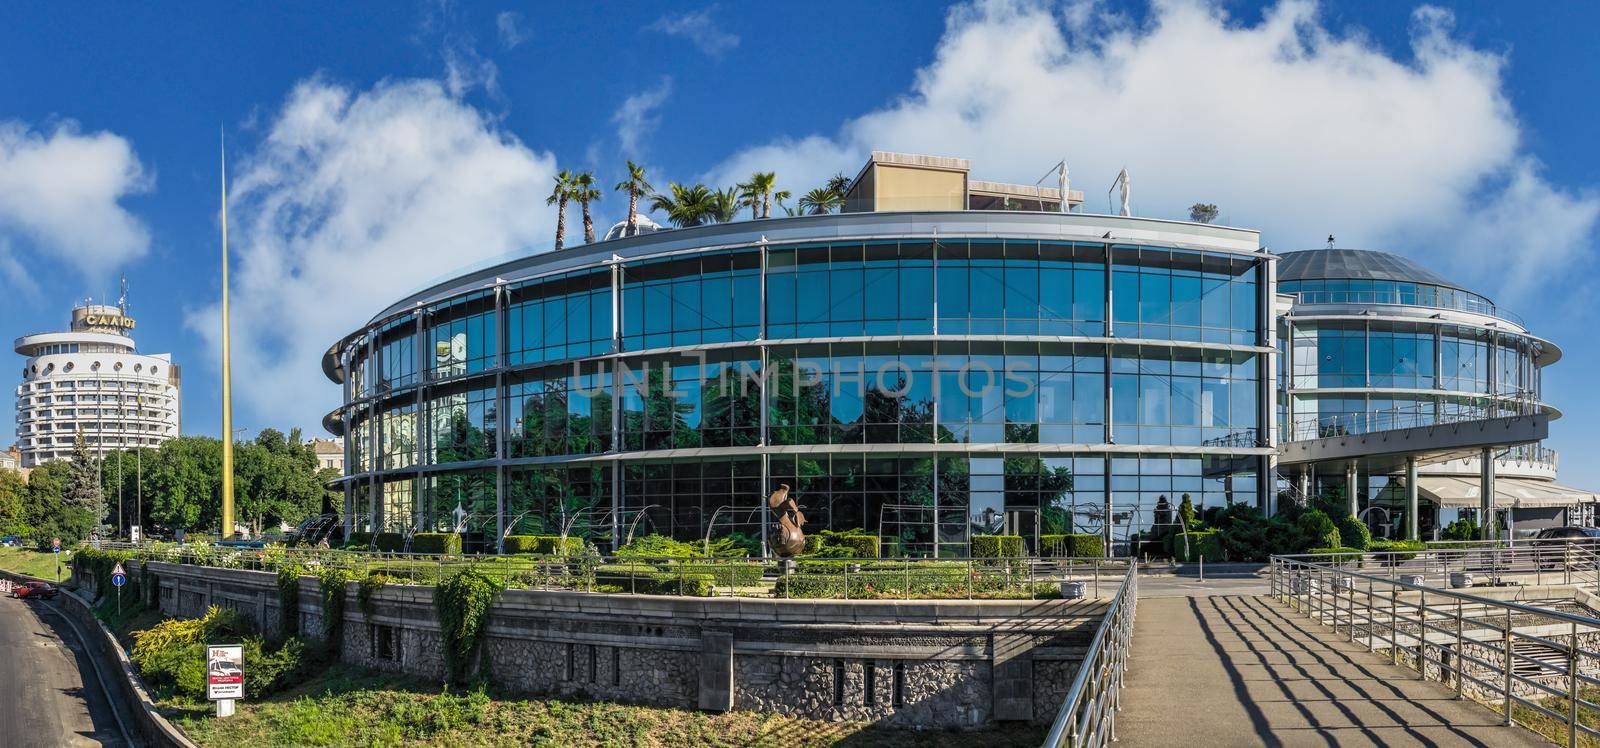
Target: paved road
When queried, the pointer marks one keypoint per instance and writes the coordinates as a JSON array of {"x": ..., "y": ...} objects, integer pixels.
[
  {"x": 1239, "y": 670},
  {"x": 49, "y": 695}
]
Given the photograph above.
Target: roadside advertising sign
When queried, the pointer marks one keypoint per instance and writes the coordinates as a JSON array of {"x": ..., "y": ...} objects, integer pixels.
[{"x": 224, "y": 672}]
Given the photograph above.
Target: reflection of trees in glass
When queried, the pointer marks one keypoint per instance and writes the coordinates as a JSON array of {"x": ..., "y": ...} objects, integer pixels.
[
  {"x": 463, "y": 441},
  {"x": 1030, "y": 481},
  {"x": 732, "y": 408},
  {"x": 551, "y": 426}
]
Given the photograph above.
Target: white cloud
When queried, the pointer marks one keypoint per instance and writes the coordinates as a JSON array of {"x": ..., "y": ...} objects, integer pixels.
[
  {"x": 61, "y": 193},
  {"x": 700, "y": 29},
  {"x": 1286, "y": 124},
  {"x": 353, "y": 200},
  {"x": 509, "y": 25},
  {"x": 637, "y": 118}
]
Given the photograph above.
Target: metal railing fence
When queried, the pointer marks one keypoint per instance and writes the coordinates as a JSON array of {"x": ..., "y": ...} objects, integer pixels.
[
  {"x": 1088, "y": 715},
  {"x": 805, "y": 578},
  {"x": 1317, "y": 426},
  {"x": 1468, "y": 562},
  {"x": 1535, "y": 666}
]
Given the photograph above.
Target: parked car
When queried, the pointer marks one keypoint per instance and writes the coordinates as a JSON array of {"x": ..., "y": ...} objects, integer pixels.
[
  {"x": 11, "y": 541},
  {"x": 1571, "y": 546},
  {"x": 34, "y": 591}
]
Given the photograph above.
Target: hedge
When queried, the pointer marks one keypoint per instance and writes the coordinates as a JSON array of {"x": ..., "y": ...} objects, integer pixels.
[
  {"x": 391, "y": 542},
  {"x": 727, "y": 575},
  {"x": 358, "y": 540},
  {"x": 923, "y": 581},
  {"x": 549, "y": 545},
  {"x": 1075, "y": 545},
  {"x": 438, "y": 543},
  {"x": 854, "y": 543},
  {"x": 1403, "y": 550},
  {"x": 1204, "y": 544},
  {"x": 648, "y": 580},
  {"x": 997, "y": 546},
  {"x": 1337, "y": 554}
]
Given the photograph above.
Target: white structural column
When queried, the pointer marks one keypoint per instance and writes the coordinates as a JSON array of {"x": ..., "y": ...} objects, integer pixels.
[
  {"x": 1486, "y": 494},
  {"x": 1413, "y": 531},
  {"x": 1350, "y": 488}
]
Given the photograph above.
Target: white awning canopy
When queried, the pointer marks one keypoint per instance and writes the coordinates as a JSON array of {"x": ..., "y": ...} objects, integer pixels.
[{"x": 1462, "y": 493}]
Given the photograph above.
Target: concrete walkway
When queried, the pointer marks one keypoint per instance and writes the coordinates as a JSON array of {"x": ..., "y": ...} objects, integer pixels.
[{"x": 1244, "y": 671}]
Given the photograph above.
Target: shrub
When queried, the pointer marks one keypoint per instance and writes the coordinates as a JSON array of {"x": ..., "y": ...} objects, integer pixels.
[
  {"x": 1336, "y": 555},
  {"x": 358, "y": 540},
  {"x": 855, "y": 540},
  {"x": 390, "y": 542},
  {"x": 462, "y": 603},
  {"x": 1317, "y": 530},
  {"x": 1354, "y": 533},
  {"x": 728, "y": 574},
  {"x": 625, "y": 576},
  {"x": 437, "y": 543},
  {"x": 1461, "y": 529},
  {"x": 660, "y": 546},
  {"x": 997, "y": 546},
  {"x": 171, "y": 656},
  {"x": 914, "y": 579},
  {"x": 1074, "y": 545},
  {"x": 549, "y": 545},
  {"x": 1404, "y": 550},
  {"x": 1206, "y": 544}
]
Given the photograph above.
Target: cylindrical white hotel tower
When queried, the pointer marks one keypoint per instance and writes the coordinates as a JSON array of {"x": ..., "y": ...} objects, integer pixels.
[{"x": 92, "y": 379}]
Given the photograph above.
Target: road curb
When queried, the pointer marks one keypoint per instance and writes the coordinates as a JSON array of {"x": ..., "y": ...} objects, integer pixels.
[{"x": 151, "y": 725}]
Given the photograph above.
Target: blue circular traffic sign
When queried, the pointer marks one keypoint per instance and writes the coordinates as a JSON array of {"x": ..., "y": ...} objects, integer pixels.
[{"x": 117, "y": 580}]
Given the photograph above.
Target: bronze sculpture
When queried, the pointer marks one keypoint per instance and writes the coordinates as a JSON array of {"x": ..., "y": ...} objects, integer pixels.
[{"x": 788, "y": 541}]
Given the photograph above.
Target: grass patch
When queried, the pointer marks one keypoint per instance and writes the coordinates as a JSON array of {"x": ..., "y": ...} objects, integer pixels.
[
  {"x": 35, "y": 564},
  {"x": 345, "y": 706}
]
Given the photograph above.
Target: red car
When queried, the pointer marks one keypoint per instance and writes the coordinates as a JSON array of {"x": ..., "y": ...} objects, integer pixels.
[{"x": 34, "y": 590}]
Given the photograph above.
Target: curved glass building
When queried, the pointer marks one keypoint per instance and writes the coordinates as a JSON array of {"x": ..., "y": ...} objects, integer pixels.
[
  {"x": 922, "y": 374},
  {"x": 1377, "y": 342}
]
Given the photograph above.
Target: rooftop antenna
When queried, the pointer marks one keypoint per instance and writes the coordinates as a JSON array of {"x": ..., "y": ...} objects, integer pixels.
[
  {"x": 122, "y": 300},
  {"x": 1127, "y": 192},
  {"x": 1060, "y": 170},
  {"x": 1330, "y": 241}
]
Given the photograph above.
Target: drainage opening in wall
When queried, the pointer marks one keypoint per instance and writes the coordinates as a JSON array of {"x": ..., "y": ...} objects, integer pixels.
[{"x": 383, "y": 642}]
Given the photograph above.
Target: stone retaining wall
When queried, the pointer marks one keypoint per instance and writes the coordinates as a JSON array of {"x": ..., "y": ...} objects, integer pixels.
[{"x": 952, "y": 663}]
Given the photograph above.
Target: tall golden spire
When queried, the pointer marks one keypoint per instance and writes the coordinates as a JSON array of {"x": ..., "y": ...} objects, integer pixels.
[{"x": 227, "y": 367}]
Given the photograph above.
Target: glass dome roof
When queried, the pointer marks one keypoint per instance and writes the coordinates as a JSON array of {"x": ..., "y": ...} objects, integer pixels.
[{"x": 1356, "y": 264}]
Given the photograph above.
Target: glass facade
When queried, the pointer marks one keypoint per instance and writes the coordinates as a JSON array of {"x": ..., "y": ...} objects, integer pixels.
[{"x": 924, "y": 389}]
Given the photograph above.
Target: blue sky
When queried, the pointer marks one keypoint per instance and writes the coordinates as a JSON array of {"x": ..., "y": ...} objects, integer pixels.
[{"x": 409, "y": 138}]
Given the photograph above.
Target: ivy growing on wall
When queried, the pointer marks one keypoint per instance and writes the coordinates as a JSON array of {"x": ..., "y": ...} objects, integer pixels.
[
  {"x": 463, "y": 602},
  {"x": 368, "y": 587},
  {"x": 333, "y": 582},
  {"x": 289, "y": 599}
]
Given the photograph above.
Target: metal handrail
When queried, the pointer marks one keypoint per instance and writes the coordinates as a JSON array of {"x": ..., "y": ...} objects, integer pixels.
[
  {"x": 1466, "y": 641},
  {"x": 1088, "y": 715},
  {"x": 1314, "y": 426},
  {"x": 1395, "y": 298}
]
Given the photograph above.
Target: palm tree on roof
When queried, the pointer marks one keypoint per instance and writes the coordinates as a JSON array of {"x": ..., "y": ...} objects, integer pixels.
[
  {"x": 584, "y": 192},
  {"x": 725, "y": 205},
  {"x": 684, "y": 205},
  {"x": 839, "y": 183},
  {"x": 635, "y": 185},
  {"x": 559, "y": 195},
  {"x": 819, "y": 201}
]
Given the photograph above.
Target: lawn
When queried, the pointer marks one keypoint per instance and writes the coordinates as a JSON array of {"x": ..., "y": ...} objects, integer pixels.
[
  {"x": 345, "y": 706},
  {"x": 35, "y": 564}
]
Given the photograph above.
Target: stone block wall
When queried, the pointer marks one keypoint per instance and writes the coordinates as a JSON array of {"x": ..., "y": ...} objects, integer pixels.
[{"x": 905, "y": 663}]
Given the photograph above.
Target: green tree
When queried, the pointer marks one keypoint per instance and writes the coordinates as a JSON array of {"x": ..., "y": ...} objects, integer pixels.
[
  {"x": 13, "y": 496},
  {"x": 559, "y": 196},
  {"x": 686, "y": 205},
  {"x": 820, "y": 201},
  {"x": 1203, "y": 212},
  {"x": 584, "y": 192},
  {"x": 83, "y": 486},
  {"x": 635, "y": 185},
  {"x": 725, "y": 205}
]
